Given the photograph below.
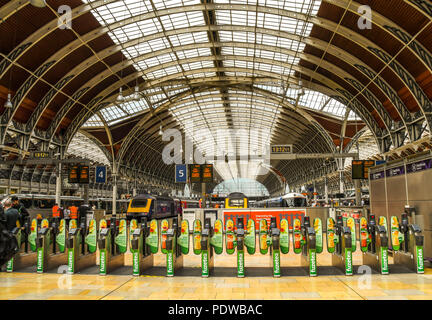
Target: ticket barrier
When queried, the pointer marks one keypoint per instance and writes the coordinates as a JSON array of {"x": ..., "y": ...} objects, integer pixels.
[
  {"x": 174, "y": 256},
  {"x": 374, "y": 244},
  {"x": 339, "y": 243},
  {"x": 207, "y": 252},
  {"x": 407, "y": 243},
  {"x": 308, "y": 253},
  {"x": 275, "y": 251},
  {"x": 25, "y": 257},
  {"x": 111, "y": 253},
  {"x": 48, "y": 257},
  {"x": 142, "y": 257},
  {"x": 240, "y": 239},
  {"x": 81, "y": 245}
]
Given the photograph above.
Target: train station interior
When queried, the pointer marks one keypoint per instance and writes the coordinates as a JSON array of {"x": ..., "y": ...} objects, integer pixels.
[{"x": 216, "y": 150}]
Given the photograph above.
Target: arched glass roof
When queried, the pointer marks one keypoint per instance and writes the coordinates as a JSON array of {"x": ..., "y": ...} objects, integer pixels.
[
  {"x": 84, "y": 147},
  {"x": 251, "y": 188}
]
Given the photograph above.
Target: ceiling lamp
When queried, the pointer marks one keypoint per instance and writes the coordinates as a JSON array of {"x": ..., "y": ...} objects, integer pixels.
[
  {"x": 136, "y": 95},
  {"x": 120, "y": 97},
  {"x": 38, "y": 3},
  {"x": 8, "y": 103},
  {"x": 160, "y": 130}
]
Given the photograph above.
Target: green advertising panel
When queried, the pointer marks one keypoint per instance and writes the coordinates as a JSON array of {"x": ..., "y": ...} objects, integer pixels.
[
  {"x": 382, "y": 221},
  {"x": 91, "y": 237},
  {"x": 61, "y": 236},
  {"x": 297, "y": 236},
  {"x": 153, "y": 238},
  {"x": 284, "y": 236},
  {"x": 205, "y": 270},
  {"x": 103, "y": 254},
  {"x": 348, "y": 262},
  {"x": 10, "y": 263},
  {"x": 351, "y": 224},
  {"x": 384, "y": 260},
  {"x": 240, "y": 264},
  {"x": 419, "y": 257},
  {"x": 164, "y": 229},
  {"x": 364, "y": 236},
  {"x": 263, "y": 233},
  {"x": 396, "y": 237},
  {"x": 331, "y": 236},
  {"x": 132, "y": 227},
  {"x": 276, "y": 263},
  {"x": 33, "y": 235},
  {"x": 217, "y": 239},
  {"x": 312, "y": 263},
  {"x": 183, "y": 239},
  {"x": 197, "y": 230},
  {"x": 319, "y": 235},
  {"x": 230, "y": 236},
  {"x": 250, "y": 239},
  {"x": 121, "y": 238}
]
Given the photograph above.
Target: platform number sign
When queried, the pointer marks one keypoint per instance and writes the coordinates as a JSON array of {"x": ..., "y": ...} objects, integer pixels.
[
  {"x": 181, "y": 173},
  {"x": 100, "y": 174}
]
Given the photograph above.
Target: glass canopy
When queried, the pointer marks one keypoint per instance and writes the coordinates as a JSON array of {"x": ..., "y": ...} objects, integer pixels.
[
  {"x": 84, "y": 147},
  {"x": 251, "y": 188},
  {"x": 179, "y": 44}
]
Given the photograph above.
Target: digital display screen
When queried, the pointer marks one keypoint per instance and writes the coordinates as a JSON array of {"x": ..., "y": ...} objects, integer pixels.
[
  {"x": 207, "y": 173},
  {"x": 357, "y": 169},
  {"x": 84, "y": 174},
  {"x": 281, "y": 149},
  {"x": 366, "y": 165},
  {"x": 195, "y": 173},
  {"x": 73, "y": 174}
]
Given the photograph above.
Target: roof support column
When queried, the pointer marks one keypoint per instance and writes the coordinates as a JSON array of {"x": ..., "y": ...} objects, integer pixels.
[{"x": 58, "y": 184}]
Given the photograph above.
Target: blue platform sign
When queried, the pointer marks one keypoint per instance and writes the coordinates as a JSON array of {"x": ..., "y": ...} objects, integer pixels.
[
  {"x": 181, "y": 173},
  {"x": 101, "y": 174}
]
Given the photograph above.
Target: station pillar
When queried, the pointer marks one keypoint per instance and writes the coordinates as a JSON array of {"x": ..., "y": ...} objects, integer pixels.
[
  {"x": 58, "y": 184},
  {"x": 325, "y": 190}
]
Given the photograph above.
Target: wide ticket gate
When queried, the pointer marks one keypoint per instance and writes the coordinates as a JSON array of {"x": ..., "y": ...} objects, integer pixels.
[{"x": 51, "y": 244}]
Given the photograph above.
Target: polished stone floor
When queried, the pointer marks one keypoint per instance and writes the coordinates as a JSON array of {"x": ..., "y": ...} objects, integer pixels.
[{"x": 259, "y": 284}]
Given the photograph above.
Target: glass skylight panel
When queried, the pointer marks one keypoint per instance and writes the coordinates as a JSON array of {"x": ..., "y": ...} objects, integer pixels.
[
  {"x": 135, "y": 30},
  {"x": 94, "y": 121},
  {"x": 165, "y": 4},
  {"x": 134, "y": 106},
  {"x": 112, "y": 112}
]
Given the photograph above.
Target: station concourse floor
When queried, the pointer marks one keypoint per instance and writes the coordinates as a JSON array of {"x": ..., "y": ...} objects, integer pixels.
[{"x": 294, "y": 284}]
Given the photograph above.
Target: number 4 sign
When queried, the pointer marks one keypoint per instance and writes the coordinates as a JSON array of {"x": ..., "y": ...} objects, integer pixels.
[
  {"x": 181, "y": 173},
  {"x": 101, "y": 174}
]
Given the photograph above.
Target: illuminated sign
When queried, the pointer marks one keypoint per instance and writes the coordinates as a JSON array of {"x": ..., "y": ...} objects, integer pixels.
[
  {"x": 73, "y": 174},
  {"x": 360, "y": 168},
  {"x": 281, "y": 148},
  {"x": 195, "y": 173},
  {"x": 207, "y": 173},
  {"x": 41, "y": 154},
  {"x": 84, "y": 174}
]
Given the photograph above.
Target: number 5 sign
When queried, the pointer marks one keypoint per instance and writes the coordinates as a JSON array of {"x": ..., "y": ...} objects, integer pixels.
[
  {"x": 101, "y": 175},
  {"x": 181, "y": 173}
]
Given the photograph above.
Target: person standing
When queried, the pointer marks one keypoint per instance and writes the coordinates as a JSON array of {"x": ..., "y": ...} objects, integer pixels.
[
  {"x": 11, "y": 214},
  {"x": 22, "y": 211}
]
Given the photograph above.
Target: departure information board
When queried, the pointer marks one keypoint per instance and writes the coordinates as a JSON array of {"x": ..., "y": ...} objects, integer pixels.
[
  {"x": 79, "y": 174},
  {"x": 360, "y": 168},
  {"x": 201, "y": 173},
  {"x": 84, "y": 174},
  {"x": 195, "y": 173},
  {"x": 73, "y": 174},
  {"x": 207, "y": 173},
  {"x": 281, "y": 148}
]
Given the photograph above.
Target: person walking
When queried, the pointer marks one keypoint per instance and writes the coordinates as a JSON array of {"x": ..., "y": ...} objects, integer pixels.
[{"x": 12, "y": 215}]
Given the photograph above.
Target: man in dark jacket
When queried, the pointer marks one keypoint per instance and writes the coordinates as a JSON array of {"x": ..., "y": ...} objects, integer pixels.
[
  {"x": 21, "y": 209},
  {"x": 11, "y": 214}
]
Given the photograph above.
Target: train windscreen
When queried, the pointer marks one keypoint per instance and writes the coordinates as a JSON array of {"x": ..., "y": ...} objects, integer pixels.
[
  {"x": 139, "y": 203},
  {"x": 236, "y": 202},
  {"x": 296, "y": 202}
]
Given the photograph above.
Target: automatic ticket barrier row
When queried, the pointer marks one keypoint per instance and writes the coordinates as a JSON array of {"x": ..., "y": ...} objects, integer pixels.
[{"x": 49, "y": 244}]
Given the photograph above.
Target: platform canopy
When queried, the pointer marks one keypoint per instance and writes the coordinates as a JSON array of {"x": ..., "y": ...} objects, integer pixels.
[{"x": 316, "y": 74}]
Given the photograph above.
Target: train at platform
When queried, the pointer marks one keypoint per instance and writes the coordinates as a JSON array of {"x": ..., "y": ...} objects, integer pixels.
[
  {"x": 157, "y": 207},
  {"x": 236, "y": 200},
  {"x": 289, "y": 200}
]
